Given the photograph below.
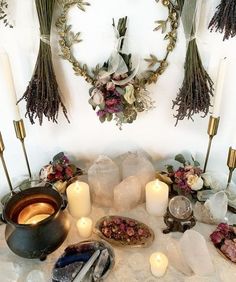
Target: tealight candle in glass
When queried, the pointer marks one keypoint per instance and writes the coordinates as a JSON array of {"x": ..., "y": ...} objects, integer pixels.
[
  {"x": 159, "y": 264},
  {"x": 84, "y": 226}
]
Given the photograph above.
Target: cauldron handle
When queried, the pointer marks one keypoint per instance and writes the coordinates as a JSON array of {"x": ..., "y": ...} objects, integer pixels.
[
  {"x": 64, "y": 202},
  {"x": 2, "y": 219}
]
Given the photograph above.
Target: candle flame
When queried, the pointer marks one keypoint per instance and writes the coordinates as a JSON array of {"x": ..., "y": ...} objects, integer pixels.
[
  {"x": 157, "y": 184},
  {"x": 158, "y": 258}
]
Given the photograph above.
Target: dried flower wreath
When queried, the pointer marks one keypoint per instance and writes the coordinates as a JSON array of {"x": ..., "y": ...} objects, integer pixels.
[{"x": 118, "y": 92}]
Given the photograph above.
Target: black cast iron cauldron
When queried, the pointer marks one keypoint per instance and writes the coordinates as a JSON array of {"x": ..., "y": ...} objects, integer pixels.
[{"x": 35, "y": 240}]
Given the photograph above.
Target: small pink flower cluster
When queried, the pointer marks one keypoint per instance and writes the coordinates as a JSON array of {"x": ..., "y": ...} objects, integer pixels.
[
  {"x": 110, "y": 98},
  {"x": 124, "y": 230},
  {"x": 187, "y": 178},
  {"x": 224, "y": 238},
  {"x": 60, "y": 169}
]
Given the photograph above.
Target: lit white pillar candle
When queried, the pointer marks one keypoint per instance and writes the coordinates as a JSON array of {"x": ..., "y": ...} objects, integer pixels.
[
  {"x": 78, "y": 196},
  {"x": 6, "y": 79},
  {"x": 84, "y": 226},
  {"x": 159, "y": 264},
  {"x": 219, "y": 87},
  {"x": 157, "y": 194}
]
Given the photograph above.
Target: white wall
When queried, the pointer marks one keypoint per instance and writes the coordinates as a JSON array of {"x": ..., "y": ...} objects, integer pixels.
[{"x": 85, "y": 137}]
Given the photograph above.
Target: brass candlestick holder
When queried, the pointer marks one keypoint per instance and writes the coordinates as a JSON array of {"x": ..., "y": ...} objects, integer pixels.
[
  {"x": 231, "y": 162},
  {"x": 212, "y": 131},
  {"x": 2, "y": 148},
  {"x": 21, "y": 134}
]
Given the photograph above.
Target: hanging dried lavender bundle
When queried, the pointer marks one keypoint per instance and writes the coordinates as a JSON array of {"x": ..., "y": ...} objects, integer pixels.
[
  {"x": 3, "y": 13},
  {"x": 42, "y": 94},
  {"x": 197, "y": 88},
  {"x": 224, "y": 19}
]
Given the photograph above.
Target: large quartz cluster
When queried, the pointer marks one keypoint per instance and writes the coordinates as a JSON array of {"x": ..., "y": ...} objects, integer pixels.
[{"x": 121, "y": 187}]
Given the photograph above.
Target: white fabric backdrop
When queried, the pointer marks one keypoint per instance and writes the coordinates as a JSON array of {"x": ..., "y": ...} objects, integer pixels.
[{"x": 85, "y": 137}]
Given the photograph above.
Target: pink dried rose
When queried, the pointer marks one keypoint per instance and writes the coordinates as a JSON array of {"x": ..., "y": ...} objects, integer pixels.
[
  {"x": 58, "y": 167},
  {"x": 223, "y": 228},
  {"x": 130, "y": 231},
  {"x": 217, "y": 237},
  {"x": 229, "y": 249},
  {"x": 107, "y": 232},
  {"x": 110, "y": 86},
  {"x": 117, "y": 220},
  {"x": 140, "y": 232}
]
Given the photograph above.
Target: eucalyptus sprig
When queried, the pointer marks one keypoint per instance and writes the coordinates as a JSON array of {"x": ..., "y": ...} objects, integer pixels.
[
  {"x": 42, "y": 95},
  {"x": 197, "y": 88}
]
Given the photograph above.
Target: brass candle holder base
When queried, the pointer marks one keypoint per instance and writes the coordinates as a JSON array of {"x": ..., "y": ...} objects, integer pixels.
[
  {"x": 2, "y": 148},
  {"x": 231, "y": 163},
  {"x": 21, "y": 134},
  {"x": 212, "y": 131}
]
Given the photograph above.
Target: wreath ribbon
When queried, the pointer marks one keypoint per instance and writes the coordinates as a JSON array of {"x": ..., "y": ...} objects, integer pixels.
[{"x": 117, "y": 65}]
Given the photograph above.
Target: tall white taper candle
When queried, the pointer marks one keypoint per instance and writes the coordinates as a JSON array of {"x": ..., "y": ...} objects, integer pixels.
[
  {"x": 6, "y": 79},
  {"x": 219, "y": 87}
]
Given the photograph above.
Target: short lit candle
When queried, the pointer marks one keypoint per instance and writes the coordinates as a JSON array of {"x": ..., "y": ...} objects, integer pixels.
[
  {"x": 78, "y": 196},
  {"x": 6, "y": 79},
  {"x": 157, "y": 194},
  {"x": 219, "y": 87},
  {"x": 159, "y": 264},
  {"x": 84, "y": 227}
]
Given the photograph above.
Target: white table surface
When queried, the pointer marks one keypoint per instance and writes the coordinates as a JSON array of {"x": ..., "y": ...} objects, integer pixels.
[{"x": 131, "y": 265}]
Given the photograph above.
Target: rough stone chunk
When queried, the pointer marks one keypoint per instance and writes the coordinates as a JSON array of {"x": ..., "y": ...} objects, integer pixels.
[
  {"x": 138, "y": 165},
  {"x": 176, "y": 258},
  {"x": 127, "y": 194},
  {"x": 218, "y": 206},
  {"x": 194, "y": 249},
  {"x": 103, "y": 176}
]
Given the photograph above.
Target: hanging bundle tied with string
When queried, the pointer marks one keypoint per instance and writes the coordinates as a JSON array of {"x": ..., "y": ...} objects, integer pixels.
[
  {"x": 197, "y": 88},
  {"x": 42, "y": 95}
]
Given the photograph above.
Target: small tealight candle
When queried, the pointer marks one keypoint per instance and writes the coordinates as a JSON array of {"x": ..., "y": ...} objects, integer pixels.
[
  {"x": 84, "y": 227},
  {"x": 159, "y": 264}
]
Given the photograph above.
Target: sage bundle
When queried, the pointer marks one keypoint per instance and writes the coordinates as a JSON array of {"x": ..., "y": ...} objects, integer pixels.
[
  {"x": 42, "y": 95},
  {"x": 224, "y": 19},
  {"x": 197, "y": 88}
]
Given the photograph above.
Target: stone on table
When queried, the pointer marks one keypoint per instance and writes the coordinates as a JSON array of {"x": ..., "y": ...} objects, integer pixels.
[
  {"x": 127, "y": 194},
  {"x": 35, "y": 276},
  {"x": 203, "y": 214},
  {"x": 136, "y": 164},
  {"x": 9, "y": 272},
  {"x": 218, "y": 206},
  {"x": 194, "y": 249},
  {"x": 176, "y": 258},
  {"x": 103, "y": 176}
]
